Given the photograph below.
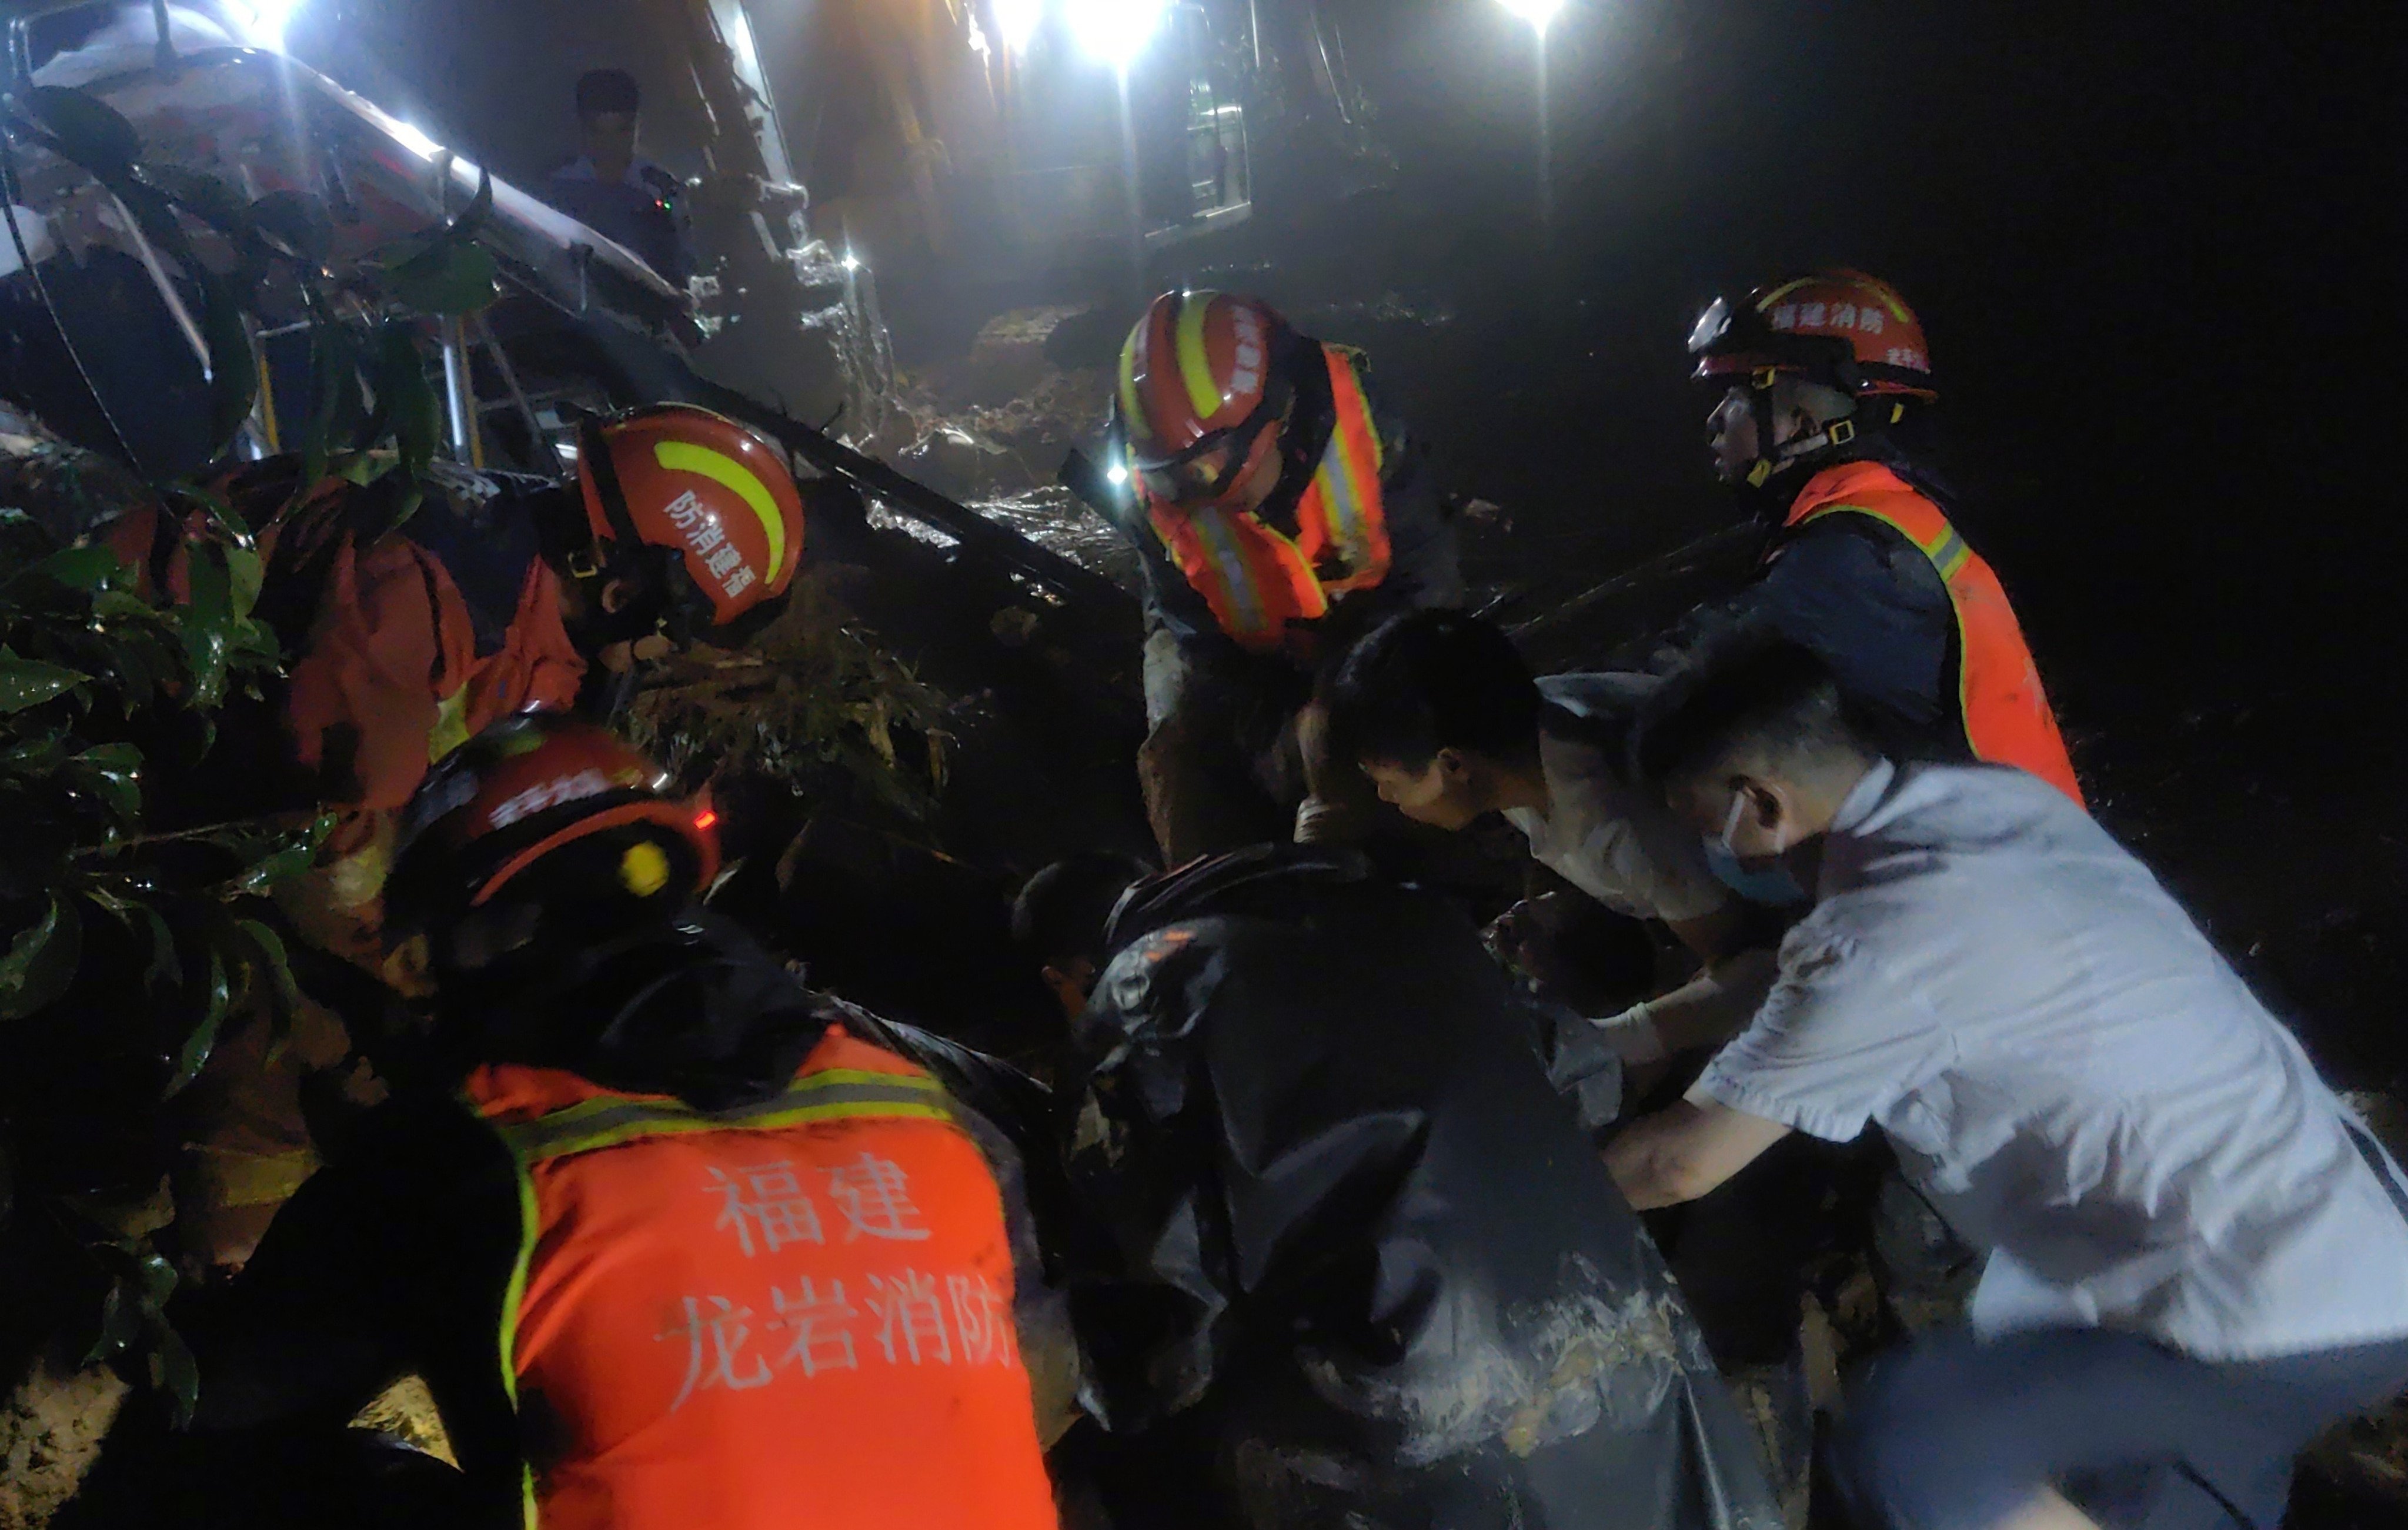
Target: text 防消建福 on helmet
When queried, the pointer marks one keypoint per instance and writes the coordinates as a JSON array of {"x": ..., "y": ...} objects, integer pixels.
[{"x": 715, "y": 496}]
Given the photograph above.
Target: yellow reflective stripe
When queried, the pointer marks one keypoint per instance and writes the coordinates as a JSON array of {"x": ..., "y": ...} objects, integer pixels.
[
  {"x": 1769, "y": 299},
  {"x": 1132, "y": 412},
  {"x": 1196, "y": 359},
  {"x": 724, "y": 470},
  {"x": 1949, "y": 553},
  {"x": 513, "y": 1298},
  {"x": 450, "y": 728},
  {"x": 620, "y": 1132},
  {"x": 831, "y": 1095}
]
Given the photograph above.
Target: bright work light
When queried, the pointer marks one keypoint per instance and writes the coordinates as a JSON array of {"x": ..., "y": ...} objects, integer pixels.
[
  {"x": 1114, "y": 31},
  {"x": 1017, "y": 19},
  {"x": 268, "y": 20},
  {"x": 1536, "y": 12}
]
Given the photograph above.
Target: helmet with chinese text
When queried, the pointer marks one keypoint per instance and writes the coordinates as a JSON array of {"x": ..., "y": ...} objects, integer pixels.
[
  {"x": 716, "y": 494},
  {"x": 552, "y": 811},
  {"x": 1841, "y": 328},
  {"x": 1203, "y": 388}
]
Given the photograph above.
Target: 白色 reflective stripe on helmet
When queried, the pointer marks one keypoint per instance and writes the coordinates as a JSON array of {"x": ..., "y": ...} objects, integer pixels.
[
  {"x": 724, "y": 470},
  {"x": 836, "y": 1095}
]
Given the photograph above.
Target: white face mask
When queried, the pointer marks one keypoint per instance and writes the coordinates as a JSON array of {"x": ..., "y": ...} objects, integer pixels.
[{"x": 1730, "y": 827}]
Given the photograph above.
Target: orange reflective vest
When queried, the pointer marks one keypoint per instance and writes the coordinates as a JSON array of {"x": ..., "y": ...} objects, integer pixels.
[
  {"x": 795, "y": 1314},
  {"x": 1258, "y": 580},
  {"x": 2006, "y": 713}
]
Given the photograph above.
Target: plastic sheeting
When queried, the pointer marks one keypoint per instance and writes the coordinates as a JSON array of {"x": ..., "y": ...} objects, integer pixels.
[{"x": 1357, "y": 1263}]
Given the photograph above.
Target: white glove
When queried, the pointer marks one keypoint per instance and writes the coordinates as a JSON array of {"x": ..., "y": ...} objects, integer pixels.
[{"x": 1633, "y": 1035}]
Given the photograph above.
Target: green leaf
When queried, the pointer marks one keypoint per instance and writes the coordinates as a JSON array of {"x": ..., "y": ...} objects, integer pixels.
[
  {"x": 233, "y": 370},
  {"x": 121, "y": 1323},
  {"x": 245, "y": 574},
  {"x": 81, "y": 569},
  {"x": 35, "y": 755},
  {"x": 335, "y": 367},
  {"x": 271, "y": 956},
  {"x": 408, "y": 403},
  {"x": 277, "y": 864},
  {"x": 202, "y": 1040},
  {"x": 42, "y": 959},
  {"x": 448, "y": 280},
  {"x": 88, "y": 130},
  {"x": 172, "y": 1369},
  {"x": 166, "y": 958},
  {"x": 158, "y": 1278},
  {"x": 29, "y": 682},
  {"x": 112, "y": 773},
  {"x": 207, "y": 621}
]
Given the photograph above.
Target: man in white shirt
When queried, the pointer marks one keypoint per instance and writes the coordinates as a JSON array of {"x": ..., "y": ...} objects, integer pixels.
[
  {"x": 2198, "y": 1260},
  {"x": 1444, "y": 715}
]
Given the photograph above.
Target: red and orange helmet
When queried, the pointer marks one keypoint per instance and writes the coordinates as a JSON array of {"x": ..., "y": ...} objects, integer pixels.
[
  {"x": 698, "y": 484},
  {"x": 1842, "y": 328},
  {"x": 1202, "y": 388},
  {"x": 544, "y": 790}
]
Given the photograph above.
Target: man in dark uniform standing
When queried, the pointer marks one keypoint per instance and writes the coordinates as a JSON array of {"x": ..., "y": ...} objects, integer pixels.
[{"x": 613, "y": 189}]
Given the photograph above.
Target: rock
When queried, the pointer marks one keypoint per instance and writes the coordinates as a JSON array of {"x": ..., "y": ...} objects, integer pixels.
[{"x": 52, "y": 1427}]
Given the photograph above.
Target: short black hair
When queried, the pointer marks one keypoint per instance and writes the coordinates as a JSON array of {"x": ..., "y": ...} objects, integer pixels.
[
  {"x": 1061, "y": 912},
  {"x": 600, "y": 90},
  {"x": 1429, "y": 681},
  {"x": 1756, "y": 695}
]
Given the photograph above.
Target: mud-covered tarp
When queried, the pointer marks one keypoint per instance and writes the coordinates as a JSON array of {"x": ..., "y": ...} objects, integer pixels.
[{"x": 1354, "y": 1254}]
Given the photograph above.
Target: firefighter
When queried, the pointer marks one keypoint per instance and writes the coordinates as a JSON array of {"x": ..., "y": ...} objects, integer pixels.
[
  {"x": 1279, "y": 512},
  {"x": 683, "y": 1243},
  {"x": 1359, "y": 1266},
  {"x": 406, "y": 632},
  {"x": 1819, "y": 376}
]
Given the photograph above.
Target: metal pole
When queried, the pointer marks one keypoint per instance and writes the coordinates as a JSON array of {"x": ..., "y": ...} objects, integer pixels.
[
  {"x": 459, "y": 400},
  {"x": 167, "y": 293},
  {"x": 1546, "y": 146},
  {"x": 1129, "y": 183},
  {"x": 535, "y": 442}
]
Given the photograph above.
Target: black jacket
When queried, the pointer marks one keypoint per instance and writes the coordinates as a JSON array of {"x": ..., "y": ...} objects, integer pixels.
[
  {"x": 1359, "y": 1258},
  {"x": 1862, "y": 599}
]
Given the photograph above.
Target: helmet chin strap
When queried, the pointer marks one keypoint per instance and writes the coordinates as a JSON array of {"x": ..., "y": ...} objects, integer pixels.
[{"x": 1772, "y": 465}]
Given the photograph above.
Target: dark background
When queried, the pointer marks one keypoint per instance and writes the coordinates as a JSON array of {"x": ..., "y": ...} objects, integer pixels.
[{"x": 2152, "y": 247}]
